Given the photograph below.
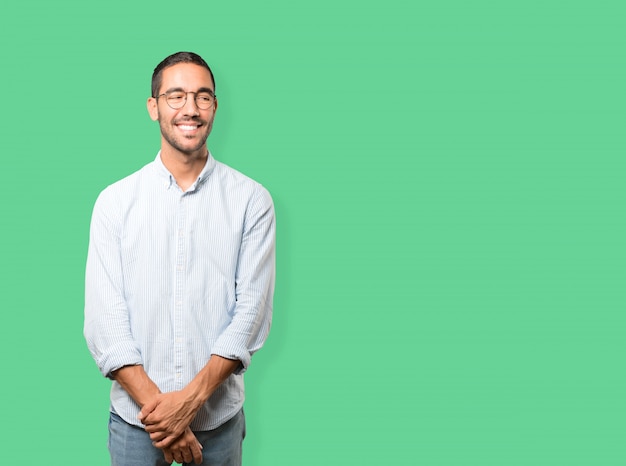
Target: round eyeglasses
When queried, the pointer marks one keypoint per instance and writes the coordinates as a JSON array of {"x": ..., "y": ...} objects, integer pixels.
[{"x": 177, "y": 99}]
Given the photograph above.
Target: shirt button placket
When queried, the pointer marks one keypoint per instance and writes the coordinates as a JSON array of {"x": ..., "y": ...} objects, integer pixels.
[{"x": 179, "y": 290}]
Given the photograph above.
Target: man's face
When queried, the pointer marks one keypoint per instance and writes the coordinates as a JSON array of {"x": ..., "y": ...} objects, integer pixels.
[{"x": 185, "y": 129}]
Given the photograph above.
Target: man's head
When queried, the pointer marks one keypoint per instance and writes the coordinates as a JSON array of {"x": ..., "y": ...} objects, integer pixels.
[
  {"x": 183, "y": 102},
  {"x": 174, "y": 59}
]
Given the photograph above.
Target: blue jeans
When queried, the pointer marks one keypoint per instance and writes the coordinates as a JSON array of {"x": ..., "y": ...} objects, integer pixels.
[{"x": 131, "y": 445}]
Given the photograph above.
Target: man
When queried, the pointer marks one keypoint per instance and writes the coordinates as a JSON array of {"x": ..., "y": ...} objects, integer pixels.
[{"x": 179, "y": 285}]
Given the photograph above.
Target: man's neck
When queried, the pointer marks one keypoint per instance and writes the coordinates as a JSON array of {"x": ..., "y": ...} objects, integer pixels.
[{"x": 185, "y": 168}]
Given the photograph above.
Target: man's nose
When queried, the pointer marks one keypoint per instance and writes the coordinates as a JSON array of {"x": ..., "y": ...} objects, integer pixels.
[{"x": 190, "y": 107}]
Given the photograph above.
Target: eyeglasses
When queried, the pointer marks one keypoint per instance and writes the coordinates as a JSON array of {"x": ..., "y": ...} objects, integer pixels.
[{"x": 177, "y": 99}]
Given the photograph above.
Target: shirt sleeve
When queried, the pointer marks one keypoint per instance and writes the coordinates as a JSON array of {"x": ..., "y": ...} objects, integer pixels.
[
  {"x": 254, "y": 284},
  {"x": 107, "y": 324}
]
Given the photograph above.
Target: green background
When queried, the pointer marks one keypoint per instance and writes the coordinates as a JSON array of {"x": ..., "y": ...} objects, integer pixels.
[{"x": 449, "y": 180}]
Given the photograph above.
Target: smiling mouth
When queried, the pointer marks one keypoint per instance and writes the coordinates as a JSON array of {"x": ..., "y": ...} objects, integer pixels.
[{"x": 188, "y": 127}]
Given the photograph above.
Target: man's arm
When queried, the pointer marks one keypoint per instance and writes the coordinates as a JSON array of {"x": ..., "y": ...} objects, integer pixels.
[
  {"x": 254, "y": 284},
  {"x": 107, "y": 325},
  {"x": 137, "y": 384}
]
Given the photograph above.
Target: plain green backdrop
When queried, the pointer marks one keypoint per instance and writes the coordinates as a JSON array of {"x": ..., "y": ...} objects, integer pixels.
[{"x": 449, "y": 180}]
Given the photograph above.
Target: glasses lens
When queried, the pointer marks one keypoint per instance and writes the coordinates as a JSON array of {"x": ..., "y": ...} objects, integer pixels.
[
  {"x": 204, "y": 100},
  {"x": 176, "y": 99}
]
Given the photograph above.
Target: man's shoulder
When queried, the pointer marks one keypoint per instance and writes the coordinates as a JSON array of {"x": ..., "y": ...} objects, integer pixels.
[
  {"x": 235, "y": 179},
  {"x": 130, "y": 184},
  {"x": 242, "y": 190}
]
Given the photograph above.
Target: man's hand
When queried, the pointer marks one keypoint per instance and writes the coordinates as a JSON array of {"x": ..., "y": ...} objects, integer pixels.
[
  {"x": 167, "y": 416},
  {"x": 184, "y": 449}
]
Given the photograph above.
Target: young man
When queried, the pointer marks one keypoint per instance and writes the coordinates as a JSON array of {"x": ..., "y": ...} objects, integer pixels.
[{"x": 179, "y": 285}]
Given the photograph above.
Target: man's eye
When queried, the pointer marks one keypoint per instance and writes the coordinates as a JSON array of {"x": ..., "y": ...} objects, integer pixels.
[{"x": 175, "y": 97}]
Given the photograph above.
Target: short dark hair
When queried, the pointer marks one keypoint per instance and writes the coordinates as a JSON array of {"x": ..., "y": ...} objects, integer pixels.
[{"x": 175, "y": 59}]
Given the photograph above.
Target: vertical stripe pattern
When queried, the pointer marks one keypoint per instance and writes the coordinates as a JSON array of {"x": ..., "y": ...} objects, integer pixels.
[{"x": 173, "y": 277}]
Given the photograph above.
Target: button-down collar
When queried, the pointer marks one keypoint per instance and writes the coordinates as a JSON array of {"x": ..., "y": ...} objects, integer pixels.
[{"x": 168, "y": 179}]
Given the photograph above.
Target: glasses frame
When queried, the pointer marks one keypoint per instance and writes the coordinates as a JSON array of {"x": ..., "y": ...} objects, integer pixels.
[{"x": 195, "y": 98}]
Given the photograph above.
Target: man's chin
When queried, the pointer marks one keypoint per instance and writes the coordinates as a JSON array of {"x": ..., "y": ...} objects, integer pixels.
[{"x": 188, "y": 146}]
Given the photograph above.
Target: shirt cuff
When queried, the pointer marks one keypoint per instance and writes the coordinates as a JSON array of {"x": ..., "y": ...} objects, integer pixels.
[
  {"x": 117, "y": 356},
  {"x": 243, "y": 356}
]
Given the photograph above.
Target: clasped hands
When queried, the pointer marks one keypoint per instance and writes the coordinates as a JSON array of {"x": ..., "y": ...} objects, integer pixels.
[{"x": 166, "y": 418}]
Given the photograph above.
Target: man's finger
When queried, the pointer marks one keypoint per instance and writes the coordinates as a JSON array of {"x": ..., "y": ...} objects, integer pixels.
[
  {"x": 196, "y": 451},
  {"x": 156, "y": 433},
  {"x": 146, "y": 409},
  {"x": 166, "y": 442},
  {"x": 187, "y": 456}
]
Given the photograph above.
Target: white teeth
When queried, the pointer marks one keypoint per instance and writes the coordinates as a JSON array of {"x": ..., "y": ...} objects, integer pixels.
[{"x": 187, "y": 127}]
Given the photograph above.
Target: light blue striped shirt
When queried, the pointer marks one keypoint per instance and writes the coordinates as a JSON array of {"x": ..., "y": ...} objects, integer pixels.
[{"x": 173, "y": 277}]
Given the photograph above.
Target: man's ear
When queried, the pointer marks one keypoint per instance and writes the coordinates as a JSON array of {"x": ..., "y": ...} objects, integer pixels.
[{"x": 152, "y": 108}]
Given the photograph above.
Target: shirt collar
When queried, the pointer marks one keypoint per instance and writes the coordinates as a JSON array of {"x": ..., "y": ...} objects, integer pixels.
[{"x": 168, "y": 179}]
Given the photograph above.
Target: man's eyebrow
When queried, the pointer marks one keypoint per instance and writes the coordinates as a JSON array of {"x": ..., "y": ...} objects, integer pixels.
[
  {"x": 180, "y": 89},
  {"x": 174, "y": 89},
  {"x": 206, "y": 89}
]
